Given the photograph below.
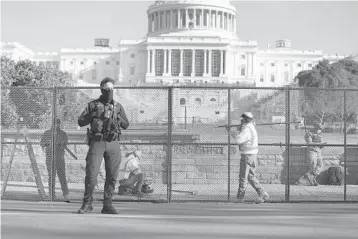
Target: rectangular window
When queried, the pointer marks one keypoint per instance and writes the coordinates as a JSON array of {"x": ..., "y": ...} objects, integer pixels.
[
  {"x": 261, "y": 78},
  {"x": 187, "y": 62},
  {"x": 81, "y": 76},
  {"x": 286, "y": 65},
  {"x": 272, "y": 78},
  {"x": 175, "y": 62},
  {"x": 132, "y": 55},
  {"x": 272, "y": 64},
  {"x": 107, "y": 62},
  {"x": 243, "y": 71},
  {"x": 132, "y": 70},
  {"x": 199, "y": 62},
  {"x": 261, "y": 64},
  {"x": 310, "y": 65},
  {"x": 243, "y": 56},
  {"x": 159, "y": 62},
  {"x": 215, "y": 62},
  {"x": 299, "y": 65}
]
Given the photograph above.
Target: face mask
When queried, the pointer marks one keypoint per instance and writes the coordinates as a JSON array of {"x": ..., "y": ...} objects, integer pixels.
[{"x": 107, "y": 95}]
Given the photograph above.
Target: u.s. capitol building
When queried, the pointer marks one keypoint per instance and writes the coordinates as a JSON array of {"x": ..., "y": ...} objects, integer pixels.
[{"x": 188, "y": 42}]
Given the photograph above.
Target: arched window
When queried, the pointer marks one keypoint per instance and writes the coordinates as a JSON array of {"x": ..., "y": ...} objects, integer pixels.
[
  {"x": 212, "y": 99},
  {"x": 182, "y": 101},
  {"x": 198, "y": 101}
]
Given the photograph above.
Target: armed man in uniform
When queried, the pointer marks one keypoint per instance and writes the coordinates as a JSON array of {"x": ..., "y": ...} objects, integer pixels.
[{"x": 106, "y": 118}]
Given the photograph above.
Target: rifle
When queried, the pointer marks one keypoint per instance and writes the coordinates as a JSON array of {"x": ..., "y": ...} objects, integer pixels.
[{"x": 238, "y": 125}]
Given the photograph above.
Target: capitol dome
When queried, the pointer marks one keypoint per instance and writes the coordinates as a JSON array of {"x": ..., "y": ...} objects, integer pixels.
[{"x": 192, "y": 18}]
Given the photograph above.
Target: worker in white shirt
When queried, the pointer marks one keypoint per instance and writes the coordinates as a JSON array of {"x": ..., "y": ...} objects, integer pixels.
[
  {"x": 247, "y": 139},
  {"x": 131, "y": 174}
]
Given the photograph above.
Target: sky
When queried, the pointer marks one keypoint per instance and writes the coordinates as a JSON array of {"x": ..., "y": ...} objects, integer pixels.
[{"x": 51, "y": 25}]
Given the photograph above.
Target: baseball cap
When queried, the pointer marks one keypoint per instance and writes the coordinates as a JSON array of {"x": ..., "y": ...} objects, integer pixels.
[{"x": 247, "y": 115}]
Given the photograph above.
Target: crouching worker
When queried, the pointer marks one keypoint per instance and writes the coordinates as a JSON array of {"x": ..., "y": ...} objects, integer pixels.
[{"x": 132, "y": 181}]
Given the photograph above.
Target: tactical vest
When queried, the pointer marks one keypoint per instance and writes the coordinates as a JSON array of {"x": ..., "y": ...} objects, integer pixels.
[{"x": 103, "y": 121}]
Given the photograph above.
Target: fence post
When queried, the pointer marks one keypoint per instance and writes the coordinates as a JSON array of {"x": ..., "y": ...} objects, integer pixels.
[
  {"x": 345, "y": 142},
  {"x": 169, "y": 143},
  {"x": 229, "y": 147},
  {"x": 52, "y": 178},
  {"x": 287, "y": 118}
]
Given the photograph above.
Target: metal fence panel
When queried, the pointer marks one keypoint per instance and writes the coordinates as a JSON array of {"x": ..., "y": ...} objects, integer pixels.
[{"x": 185, "y": 154}]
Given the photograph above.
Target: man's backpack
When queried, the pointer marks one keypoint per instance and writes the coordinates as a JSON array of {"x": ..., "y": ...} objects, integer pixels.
[{"x": 335, "y": 176}]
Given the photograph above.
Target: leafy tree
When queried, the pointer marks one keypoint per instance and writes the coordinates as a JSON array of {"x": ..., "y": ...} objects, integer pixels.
[
  {"x": 329, "y": 104},
  {"x": 24, "y": 98}
]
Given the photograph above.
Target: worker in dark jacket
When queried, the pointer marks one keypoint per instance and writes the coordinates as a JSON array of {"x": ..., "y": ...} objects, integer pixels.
[
  {"x": 61, "y": 141},
  {"x": 106, "y": 118}
]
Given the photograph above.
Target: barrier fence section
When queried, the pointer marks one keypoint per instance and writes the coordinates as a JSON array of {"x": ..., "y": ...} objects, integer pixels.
[{"x": 185, "y": 155}]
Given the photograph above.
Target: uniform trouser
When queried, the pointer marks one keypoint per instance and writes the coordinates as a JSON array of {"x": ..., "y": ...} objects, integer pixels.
[
  {"x": 60, "y": 170},
  {"x": 133, "y": 179},
  {"x": 247, "y": 174},
  {"x": 315, "y": 162},
  {"x": 112, "y": 156}
]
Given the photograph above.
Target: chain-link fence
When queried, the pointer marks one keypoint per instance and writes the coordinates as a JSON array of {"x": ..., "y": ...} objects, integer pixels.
[{"x": 185, "y": 155}]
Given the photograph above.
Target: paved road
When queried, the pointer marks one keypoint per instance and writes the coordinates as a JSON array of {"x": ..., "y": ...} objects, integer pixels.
[{"x": 188, "y": 220}]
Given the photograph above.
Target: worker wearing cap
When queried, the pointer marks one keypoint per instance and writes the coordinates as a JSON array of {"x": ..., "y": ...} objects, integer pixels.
[
  {"x": 247, "y": 139},
  {"x": 313, "y": 139}
]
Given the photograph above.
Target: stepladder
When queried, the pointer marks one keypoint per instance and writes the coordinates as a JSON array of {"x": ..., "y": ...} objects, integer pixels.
[{"x": 21, "y": 135}]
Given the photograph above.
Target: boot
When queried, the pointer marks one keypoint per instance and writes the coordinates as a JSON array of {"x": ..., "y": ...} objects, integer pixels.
[
  {"x": 108, "y": 208},
  {"x": 87, "y": 199},
  {"x": 86, "y": 207}
]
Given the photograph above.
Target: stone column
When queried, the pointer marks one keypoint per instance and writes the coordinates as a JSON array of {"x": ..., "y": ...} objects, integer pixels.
[
  {"x": 149, "y": 24},
  {"x": 179, "y": 18},
  {"x": 170, "y": 62},
  {"x": 228, "y": 22},
  {"x": 234, "y": 24},
  {"x": 222, "y": 52},
  {"x": 248, "y": 63},
  {"x": 205, "y": 63},
  {"x": 181, "y": 62},
  {"x": 155, "y": 21},
  {"x": 210, "y": 62},
  {"x": 193, "y": 63}
]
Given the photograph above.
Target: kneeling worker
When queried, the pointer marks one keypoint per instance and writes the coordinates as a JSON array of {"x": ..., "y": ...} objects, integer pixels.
[{"x": 132, "y": 176}]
